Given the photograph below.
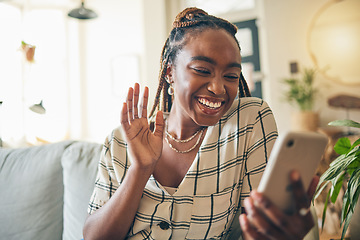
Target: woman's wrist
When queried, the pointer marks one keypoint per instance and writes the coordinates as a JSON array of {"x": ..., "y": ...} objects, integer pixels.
[{"x": 142, "y": 170}]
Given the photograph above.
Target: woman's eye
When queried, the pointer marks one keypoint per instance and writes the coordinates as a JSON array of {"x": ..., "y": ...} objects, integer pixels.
[
  {"x": 201, "y": 71},
  {"x": 232, "y": 77}
]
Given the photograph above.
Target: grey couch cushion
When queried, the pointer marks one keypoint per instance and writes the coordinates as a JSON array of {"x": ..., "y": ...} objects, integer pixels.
[
  {"x": 31, "y": 188},
  {"x": 79, "y": 163}
]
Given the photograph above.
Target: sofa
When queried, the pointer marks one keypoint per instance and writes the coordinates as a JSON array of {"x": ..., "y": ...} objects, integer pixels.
[{"x": 45, "y": 190}]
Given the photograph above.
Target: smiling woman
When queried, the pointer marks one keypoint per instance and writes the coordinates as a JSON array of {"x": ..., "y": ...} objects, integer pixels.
[{"x": 192, "y": 181}]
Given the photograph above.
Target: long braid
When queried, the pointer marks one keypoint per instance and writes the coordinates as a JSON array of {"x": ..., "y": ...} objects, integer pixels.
[
  {"x": 243, "y": 87},
  {"x": 162, "y": 74},
  {"x": 192, "y": 20}
]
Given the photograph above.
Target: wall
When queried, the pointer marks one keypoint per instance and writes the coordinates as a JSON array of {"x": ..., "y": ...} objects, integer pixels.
[
  {"x": 124, "y": 31},
  {"x": 286, "y": 24}
]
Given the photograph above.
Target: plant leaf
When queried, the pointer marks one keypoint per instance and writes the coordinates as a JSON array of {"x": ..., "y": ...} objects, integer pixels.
[
  {"x": 357, "y": 142},
  {"x": 342, "y": 146},
  {"x": 345, "y": 123},
  {"x": 350, "y": 199},
  {"x": 354, "y": 188},
  {"x": 345, "y": 206},
  {"x": 324, "y": 211},
  {"x": 346, "y": 223},
  {"x": 337, "y": 184},
  {"x": 320, "y": 188}
]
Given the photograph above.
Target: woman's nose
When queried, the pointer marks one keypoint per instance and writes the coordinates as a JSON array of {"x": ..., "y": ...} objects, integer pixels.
[{"x": 216, "y": 86}]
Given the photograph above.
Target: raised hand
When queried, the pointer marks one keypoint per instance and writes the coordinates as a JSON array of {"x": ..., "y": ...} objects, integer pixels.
[
  {"x": 263, "y": 220},
  {"x": 144, "y": 146}
]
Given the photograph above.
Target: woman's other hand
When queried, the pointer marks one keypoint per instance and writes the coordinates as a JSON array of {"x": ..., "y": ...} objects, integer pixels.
[
  {"x": 263, "y": 220},
  {"x": 144, "y": 146}
]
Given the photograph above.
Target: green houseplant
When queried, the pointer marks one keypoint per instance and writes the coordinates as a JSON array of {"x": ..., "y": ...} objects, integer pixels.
[
  {"x": 301, "y": 93},
  {"x": 345, "y": 169}
]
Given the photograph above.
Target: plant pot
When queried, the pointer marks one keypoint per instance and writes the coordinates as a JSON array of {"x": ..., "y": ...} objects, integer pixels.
[
  {"x": 305, "y": 121},
  {"x": 30, "y": 52}
]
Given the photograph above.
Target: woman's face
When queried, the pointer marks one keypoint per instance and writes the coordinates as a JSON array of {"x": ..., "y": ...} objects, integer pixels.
[{"x": 206, "y": 76}]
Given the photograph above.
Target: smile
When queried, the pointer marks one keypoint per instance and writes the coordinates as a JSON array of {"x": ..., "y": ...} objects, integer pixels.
[{"x": 210, "y": 104}]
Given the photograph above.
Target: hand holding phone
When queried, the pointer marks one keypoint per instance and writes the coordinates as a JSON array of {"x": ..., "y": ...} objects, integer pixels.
[{"x": 299, "y": 151}]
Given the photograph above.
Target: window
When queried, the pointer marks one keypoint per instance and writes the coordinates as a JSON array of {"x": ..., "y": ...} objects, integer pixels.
[
  {"x": 23, "y": 83},
  {"x": 247, "y": 36}
]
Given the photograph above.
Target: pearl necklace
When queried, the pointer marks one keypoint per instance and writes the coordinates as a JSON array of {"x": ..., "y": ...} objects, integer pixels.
[{"x": 168, "y": 135}]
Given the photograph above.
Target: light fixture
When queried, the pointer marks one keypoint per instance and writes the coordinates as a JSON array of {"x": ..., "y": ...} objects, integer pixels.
[
  {"x": 38, "y": 108},
  {"x": 82, "y": 12}
]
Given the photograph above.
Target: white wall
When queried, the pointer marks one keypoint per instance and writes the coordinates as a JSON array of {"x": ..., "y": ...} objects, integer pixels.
[
  {"x": 286, "y": 24},
  {"x": 124, "y": 28}
]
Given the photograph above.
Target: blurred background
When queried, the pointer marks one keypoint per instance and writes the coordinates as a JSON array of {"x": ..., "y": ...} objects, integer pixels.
[{"x": 65, "y": 78}]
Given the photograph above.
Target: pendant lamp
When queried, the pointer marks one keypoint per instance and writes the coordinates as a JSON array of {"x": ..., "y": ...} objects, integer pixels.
[
  {"x": 38, "y": 108},
  {"x": 82, "y": 12}
]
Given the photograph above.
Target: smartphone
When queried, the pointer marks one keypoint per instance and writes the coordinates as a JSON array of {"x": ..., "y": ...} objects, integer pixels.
[{"x": 293, "y": 150}]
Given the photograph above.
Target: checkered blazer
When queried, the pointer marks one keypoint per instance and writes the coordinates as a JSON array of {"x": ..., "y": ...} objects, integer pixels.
[{"x": 228, "y": 165}]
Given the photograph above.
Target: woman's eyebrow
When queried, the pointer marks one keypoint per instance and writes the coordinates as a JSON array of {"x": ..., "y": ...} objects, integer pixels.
[
  {"x": 235, "y": 64},
  {"x": 209, "y": 60},
  {"x": 203, "y": 58}
]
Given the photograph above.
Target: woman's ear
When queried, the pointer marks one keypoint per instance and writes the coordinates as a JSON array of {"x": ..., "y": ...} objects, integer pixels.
[{"x": 169, "y": 73}]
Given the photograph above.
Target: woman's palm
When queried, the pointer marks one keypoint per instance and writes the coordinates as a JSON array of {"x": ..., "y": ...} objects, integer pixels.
[{"x": 144, "y": 146}]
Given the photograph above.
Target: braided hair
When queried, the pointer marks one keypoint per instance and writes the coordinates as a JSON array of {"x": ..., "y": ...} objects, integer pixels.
[{"x": 192, "y": 20}]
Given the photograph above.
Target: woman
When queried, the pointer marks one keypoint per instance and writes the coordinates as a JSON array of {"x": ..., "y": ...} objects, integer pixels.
[{"x": 188, "y": 178}]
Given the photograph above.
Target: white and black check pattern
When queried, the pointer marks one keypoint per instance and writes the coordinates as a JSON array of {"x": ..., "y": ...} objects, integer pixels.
[{"x": 229, "y": 164}]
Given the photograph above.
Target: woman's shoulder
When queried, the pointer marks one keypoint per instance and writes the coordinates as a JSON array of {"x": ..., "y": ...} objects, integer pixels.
[
  {"x": 248, "y": 104},
  {"x": 247, "y": 109}
]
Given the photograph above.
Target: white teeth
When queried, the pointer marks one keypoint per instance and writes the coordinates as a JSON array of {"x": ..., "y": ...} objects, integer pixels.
[{"x": 209, "y": 104}]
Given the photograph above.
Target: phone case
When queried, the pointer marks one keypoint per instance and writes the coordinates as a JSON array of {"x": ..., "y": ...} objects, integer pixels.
[{"x": 293, "y": 150}]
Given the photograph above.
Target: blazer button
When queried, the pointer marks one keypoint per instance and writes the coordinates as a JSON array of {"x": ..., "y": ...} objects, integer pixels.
[{"x": 164, "y": 225}]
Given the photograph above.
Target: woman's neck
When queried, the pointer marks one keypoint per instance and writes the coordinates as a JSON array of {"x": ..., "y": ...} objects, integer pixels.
[{"x": 180, "y": 128}]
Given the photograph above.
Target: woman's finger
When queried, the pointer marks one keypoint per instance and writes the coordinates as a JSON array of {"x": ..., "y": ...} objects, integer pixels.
[
  {"x": 312, "y": 188},
  {"x": 159, "y": 124},
  {"x": 248, "y": 231},
  {"x": 130, "y": 104},
  {"x": 136, "y": 99},
  {"x": 302, "y": 202},
  {"x": 257, "y": 218},
  {"x": 144, "y": 103},
  {"x": 124, "y": 116},
  {"x": 303, "y": 215},
  {"x": 273, "y": 213}
]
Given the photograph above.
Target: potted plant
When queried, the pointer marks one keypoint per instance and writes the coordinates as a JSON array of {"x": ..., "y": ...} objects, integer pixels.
[
  {"x": 343, "y": 171},
  {"x": 301, "y": 93},
  {"x": 29, "y": 51}
]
